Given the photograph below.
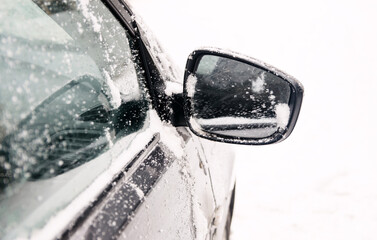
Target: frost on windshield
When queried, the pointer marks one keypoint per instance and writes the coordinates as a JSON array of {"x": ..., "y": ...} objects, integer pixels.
[
  {"x": 70, "y": 88},
  {"x": 232, "y": 98},
  {"x": 61, "y": 66}
]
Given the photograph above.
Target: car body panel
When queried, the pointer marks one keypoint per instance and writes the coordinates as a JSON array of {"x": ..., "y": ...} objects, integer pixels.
[{"x": 134, "y": 196}]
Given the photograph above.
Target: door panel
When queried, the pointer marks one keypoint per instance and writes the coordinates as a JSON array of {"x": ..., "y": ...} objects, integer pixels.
[
  {"x": 157, "y": 196},
  {"x": 166, "y": 212},
  {"x": 129, "y": 192},
  {"x": 181, "y": 205}
]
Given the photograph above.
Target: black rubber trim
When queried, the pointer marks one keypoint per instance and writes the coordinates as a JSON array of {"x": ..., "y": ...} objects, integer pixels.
[
  {"x": 123, "y": 14},
  {"x": 122, "y": 203},
  {"x": 154, "y": 82}
]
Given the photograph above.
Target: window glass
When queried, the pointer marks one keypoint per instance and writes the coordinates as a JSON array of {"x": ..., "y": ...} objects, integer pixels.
[{"x": 70, "y": 89}]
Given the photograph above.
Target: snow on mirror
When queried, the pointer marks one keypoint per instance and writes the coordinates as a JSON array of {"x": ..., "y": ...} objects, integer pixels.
[{"x": 231, "y": 98}]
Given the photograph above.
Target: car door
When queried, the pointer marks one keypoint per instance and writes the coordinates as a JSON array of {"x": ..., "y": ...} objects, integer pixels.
[{"x": 164, "y": 194}]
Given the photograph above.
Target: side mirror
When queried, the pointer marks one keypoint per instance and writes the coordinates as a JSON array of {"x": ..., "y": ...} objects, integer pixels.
[{"x": 236, "y": 99}]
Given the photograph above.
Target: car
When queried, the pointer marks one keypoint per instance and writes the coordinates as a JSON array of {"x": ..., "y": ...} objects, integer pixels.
[{"x": 99, "y": 138}]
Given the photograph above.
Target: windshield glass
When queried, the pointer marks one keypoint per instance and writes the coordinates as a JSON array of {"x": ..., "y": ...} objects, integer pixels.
[{"x": 70, "y": 89}]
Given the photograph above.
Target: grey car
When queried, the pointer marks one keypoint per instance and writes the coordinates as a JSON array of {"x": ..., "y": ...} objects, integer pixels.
[{"x": 99, "y": 138}]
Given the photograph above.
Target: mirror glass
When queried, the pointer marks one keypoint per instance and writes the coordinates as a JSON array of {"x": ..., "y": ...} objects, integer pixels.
[{"x": 232, "y": 98}]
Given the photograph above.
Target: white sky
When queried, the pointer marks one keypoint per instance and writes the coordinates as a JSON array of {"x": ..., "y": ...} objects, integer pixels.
[{"x": 321, "y": 183}]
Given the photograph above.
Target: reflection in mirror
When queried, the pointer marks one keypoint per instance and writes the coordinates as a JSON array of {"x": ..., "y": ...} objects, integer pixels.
[{"x": 232, "y": 98}]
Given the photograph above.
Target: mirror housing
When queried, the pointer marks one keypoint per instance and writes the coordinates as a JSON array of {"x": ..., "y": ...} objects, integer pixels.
[{"x": 233, "y": 98}]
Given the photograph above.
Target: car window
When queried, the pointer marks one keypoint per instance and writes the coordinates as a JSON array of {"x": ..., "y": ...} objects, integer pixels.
[{"x": 70, "y": 89}]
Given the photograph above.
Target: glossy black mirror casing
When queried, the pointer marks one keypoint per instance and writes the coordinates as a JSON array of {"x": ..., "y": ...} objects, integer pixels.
[{"x": 293, "y": 101}]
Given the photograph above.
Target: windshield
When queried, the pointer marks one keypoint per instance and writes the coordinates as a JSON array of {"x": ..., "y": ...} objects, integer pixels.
[{"x": 70, "y": 89}]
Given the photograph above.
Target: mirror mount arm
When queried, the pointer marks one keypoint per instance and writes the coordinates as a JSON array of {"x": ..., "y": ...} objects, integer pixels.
[{"x": 178, "y": 115}]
